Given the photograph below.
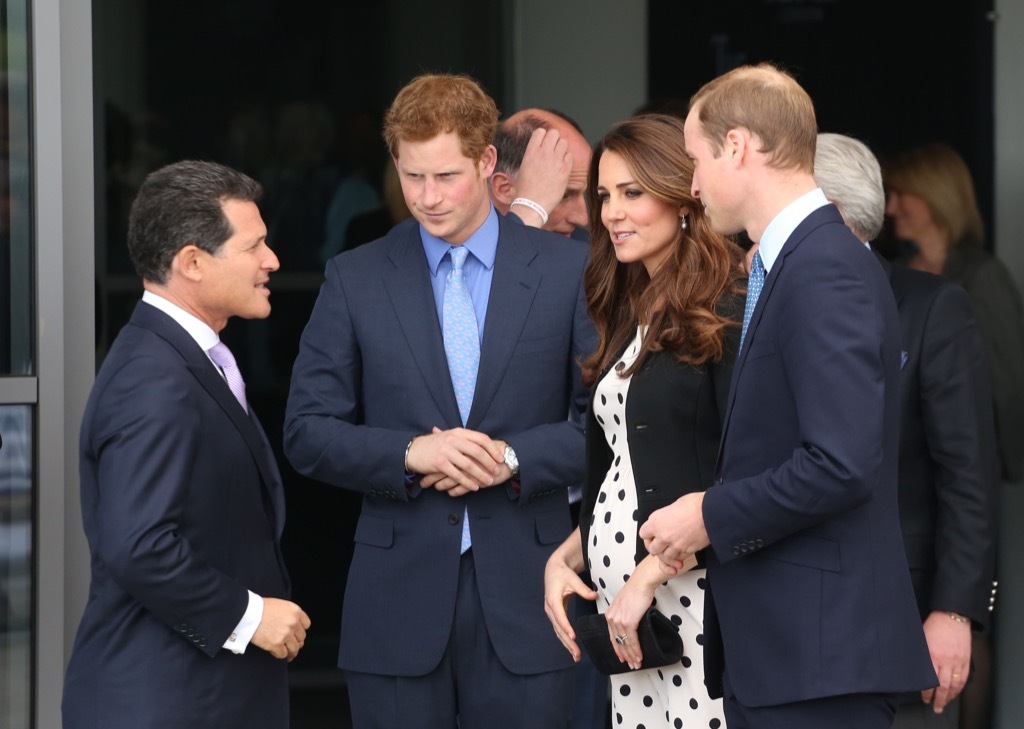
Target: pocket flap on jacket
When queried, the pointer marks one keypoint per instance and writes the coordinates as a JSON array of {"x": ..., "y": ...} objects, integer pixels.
[
  {"x": 375, "y": 531},
  {"x": 807, "y": 550},
  {"x": 553, "y": 526}
]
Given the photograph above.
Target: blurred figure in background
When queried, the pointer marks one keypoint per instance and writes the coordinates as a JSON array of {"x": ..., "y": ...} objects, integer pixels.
[
  {"x": 948, "y": 475},
  {"x": 932, "y": 204}
]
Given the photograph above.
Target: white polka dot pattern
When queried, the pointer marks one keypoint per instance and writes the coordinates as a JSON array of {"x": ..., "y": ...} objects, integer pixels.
[{"x": 670, "y": 696}]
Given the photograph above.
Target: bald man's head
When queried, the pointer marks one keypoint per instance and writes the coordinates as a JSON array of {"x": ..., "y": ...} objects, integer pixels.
[{"x": 511, "y": 140}]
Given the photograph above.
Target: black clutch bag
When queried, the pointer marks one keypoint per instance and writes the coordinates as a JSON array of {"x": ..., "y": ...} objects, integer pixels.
[{"x": 660, "y": 642}]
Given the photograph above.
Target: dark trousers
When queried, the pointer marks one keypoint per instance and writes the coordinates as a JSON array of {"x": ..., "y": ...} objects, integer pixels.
[{"x": 470, "y": 689}]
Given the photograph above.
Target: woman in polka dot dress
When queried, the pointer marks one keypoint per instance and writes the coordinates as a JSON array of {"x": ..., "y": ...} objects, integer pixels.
[{"x": 663, "y": 291}]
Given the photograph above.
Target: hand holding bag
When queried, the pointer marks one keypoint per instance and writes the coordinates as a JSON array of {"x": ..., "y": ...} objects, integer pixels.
[{"x": 660, "y": 642}]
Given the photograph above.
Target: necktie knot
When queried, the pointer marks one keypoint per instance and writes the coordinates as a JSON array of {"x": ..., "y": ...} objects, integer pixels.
[
  {"x": 222, "y": 357},
  {"x": 458, "y": 255}
]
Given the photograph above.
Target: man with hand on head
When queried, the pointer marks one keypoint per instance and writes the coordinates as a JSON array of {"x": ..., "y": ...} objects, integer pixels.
[
  {"x": 188, "y": 622},
  {"x": 810, "y": 618},
  {"x": 434, "y": 377},
  {"x": 948, "y": 464},
  {"x": 541, "y": 172}
]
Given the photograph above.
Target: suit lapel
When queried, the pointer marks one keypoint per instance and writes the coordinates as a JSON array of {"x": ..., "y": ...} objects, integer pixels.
[
  {"x": 206, "y": 373},
  {"x": 812, "y": 221},
  {"x": 513, "y": 288},
  {"x": 408, "y": 287}
]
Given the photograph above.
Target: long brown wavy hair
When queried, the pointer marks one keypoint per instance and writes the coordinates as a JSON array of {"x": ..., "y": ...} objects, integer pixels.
[{"x": 680, "y": 303}]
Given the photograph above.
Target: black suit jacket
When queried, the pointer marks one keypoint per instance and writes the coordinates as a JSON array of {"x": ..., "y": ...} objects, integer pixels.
[
  {"x": 183, "y": 508},
  {"x": 948, "y": 472},
  {"x": 674, "y": 415}
]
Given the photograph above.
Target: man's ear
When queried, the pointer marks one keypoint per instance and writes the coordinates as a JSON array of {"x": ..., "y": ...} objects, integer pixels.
[
  {"x": 503, "y": 188},
  {"x": 189, "y": 263},
  {"x": 735, "y": 145}
]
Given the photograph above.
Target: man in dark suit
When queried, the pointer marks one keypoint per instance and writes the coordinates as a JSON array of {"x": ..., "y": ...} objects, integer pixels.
[
  {"x": 435, "y": 376},
  {"x": 810, "y": 618},
  {"x": 948, "y": 465},
  {"x": 188, "y": 623}
]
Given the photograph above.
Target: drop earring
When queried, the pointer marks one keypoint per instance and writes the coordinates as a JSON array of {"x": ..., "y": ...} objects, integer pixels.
[{"x": 682, "y": 223}]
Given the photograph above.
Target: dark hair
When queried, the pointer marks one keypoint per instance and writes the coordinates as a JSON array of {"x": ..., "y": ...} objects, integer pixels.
[
  {"x": 511, "y": 140},
  {"x": 181, "y": 205},
  {"x": 681, "y": 301}
]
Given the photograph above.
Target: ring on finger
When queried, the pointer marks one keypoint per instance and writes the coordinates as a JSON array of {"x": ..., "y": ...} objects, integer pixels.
[{"x": 620, "y": 639}]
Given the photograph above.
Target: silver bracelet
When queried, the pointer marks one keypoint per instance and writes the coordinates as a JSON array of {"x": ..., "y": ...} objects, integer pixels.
[
  {"x": 535, "y": 207},
  {"x": 409, "y": 448}
]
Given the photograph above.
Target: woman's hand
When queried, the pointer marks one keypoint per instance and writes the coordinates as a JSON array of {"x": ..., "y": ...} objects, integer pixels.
[
  {"x": 561, "y": 580},
  {"x": 624, "y": 614}
]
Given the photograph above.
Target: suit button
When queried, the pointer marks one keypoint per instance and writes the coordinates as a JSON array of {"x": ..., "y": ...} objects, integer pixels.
[
  {"x": 202, "y": 643},
  {"x": 453, "y": 519},
  {"x": 736, "y": 550},
  {"x": 759, "y": 543}
]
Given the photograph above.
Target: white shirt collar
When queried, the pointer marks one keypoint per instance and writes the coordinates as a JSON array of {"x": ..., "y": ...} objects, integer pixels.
[
  {"x": 783, "y": 225},
  {"x": 197, "y": 329}
]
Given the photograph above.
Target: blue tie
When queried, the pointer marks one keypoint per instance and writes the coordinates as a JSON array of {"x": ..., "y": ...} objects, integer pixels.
[
  {"x": 461, "y": 346},
  {"x": 754, "y": 285}
]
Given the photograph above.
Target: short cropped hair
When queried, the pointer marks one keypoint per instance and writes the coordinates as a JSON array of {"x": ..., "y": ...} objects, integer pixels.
[
  {"x": 849, "y": 174},
  {"x": 180, "y": 205},
  {"x": 434, "y": 104},
  {"x": 940, "y": 177},
  {"x": 770, "y": 104},
  {"x": 511, "y": 140}
]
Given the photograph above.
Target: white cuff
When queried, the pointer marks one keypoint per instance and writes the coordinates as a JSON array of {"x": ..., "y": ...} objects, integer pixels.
[{"x": 239, "y": 639}]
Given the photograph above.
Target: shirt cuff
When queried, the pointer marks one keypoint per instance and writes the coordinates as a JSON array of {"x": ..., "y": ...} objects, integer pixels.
[{"x": 240, "y": 637}]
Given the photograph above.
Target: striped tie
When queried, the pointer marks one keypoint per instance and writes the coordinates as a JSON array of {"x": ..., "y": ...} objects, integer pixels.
[{"x": 222, "y": 357}]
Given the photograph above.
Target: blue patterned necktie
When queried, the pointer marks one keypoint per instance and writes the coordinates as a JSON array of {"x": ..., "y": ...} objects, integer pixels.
[
  {"x": 754, "y": 285},
  {"x": 461, "y": 346}
]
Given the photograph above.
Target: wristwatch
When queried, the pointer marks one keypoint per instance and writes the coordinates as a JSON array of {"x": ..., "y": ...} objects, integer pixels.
[{"x": 511, "y": 461}]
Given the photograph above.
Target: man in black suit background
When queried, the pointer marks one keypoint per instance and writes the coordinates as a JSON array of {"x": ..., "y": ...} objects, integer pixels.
[{"x": 947, "y": 466}]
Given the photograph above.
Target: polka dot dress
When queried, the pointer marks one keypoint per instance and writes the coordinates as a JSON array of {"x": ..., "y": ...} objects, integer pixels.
[{"x": 670, "y": 696}]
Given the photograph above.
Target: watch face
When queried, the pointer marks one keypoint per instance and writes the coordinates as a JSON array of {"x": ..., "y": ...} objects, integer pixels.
[{"x": 510, "y": 459}]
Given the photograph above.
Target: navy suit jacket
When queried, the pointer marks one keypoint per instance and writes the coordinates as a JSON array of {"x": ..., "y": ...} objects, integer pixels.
[
  {"x": 809, "y": 590},
  {"x": 371, "y": 374},
  {"x": 183, "y": 508},
  {"x": 949, "y": 468}
]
